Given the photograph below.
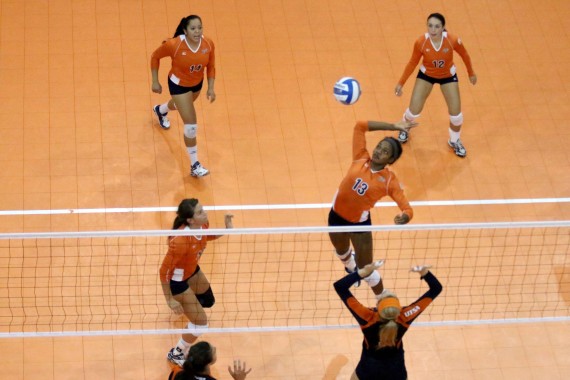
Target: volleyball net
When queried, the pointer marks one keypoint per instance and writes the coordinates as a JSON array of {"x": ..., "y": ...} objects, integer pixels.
[{"x": 93, "y": 283}]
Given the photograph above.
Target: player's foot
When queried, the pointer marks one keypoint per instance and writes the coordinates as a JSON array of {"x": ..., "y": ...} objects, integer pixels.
[
  {"x": 356, "y": 284},
  {"x": 176, "y": 356},
  {"x": 403, "y": 136},
  {"x": 198, "y": 170},
  {"x": 458, "y": 148},
  {"x": 162, "y": 119}
]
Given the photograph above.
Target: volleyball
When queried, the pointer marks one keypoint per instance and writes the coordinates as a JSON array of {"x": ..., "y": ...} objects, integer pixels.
[{"x": 347, "y": 90}]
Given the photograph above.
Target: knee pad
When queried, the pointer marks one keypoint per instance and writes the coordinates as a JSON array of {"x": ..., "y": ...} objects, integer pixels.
[
  {"x": 207, "y": 298},
  {"x": 197, "y": 330},
  {"x": 456, "y": 120},
  {"x": 190, "y": 130},
  {"x": 373, "y": 279},
  {"x": 409, "y": 116}
]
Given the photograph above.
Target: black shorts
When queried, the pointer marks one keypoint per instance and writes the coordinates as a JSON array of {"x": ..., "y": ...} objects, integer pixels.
[
  {"x": 436, "y": 80},
  {"x": 335, "y": 220},
  {"x": 179, "y": 90},
  {"x": 392, "y": 368},
  {"x": 179, "y": 287}
]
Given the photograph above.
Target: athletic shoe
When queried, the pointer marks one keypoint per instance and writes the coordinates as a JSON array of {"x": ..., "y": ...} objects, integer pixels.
[
  {"x": 403, "y": 136},
  {"x": 162, "y": 119},
  {"x": 357, "y": 283},
  {"x": 176, "y": 356},
  {"x": 458, "y": 148},
  {"x": 198, "y": 170}
]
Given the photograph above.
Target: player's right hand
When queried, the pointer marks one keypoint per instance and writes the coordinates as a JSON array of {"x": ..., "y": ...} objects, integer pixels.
[
  {"x": 175, "y": 306},
  {"x": 398, "y": 90},
  {"x": 421, "y": 269},
  {"x": 405, "y": 125},
  {"x": 368, "y": 269},
  {"x": 156, "y": 87}
]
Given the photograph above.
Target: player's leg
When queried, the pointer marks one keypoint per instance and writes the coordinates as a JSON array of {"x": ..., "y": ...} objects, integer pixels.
[
  {"x": 453, "y": 99},
  {"x": 197, "y": 321},
  {"x": 420, "y": 93},
  {"x": 341, "y": 241},
  {"x": 201, "y": 287},
  {"x": 363, "y": 248},
  {"x": 185, "y": 105}
]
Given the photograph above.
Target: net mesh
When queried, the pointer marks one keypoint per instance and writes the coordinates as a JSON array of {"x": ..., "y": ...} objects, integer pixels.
[{"x": 279, "y": 279}]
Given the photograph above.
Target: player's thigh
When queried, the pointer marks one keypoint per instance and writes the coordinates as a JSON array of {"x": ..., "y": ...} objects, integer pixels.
[
  {"x": 362, "y": 243},
  {"x": 192, "y": 308},
  {"x": 185, "y": 106},
  {"x": 450, "y": 92},
  {"x": 341, "y": 241},
  {"x": 199, "y": 283},
  {"x": 353, "y": 376},
  {"x": 422, "y": 89}
]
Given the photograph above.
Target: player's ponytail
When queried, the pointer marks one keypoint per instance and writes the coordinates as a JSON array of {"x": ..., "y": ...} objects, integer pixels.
[
  {"x": 185, "y": 211},
  {"x": 184, "y": 24},
  {"x": 199, "y": 357},
  {"x": 389, "y": 331},
  {"x": 440, "y": 17}
]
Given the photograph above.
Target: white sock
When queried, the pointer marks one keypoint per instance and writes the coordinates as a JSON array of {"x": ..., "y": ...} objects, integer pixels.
[
  {"x": 454, "y": 136},
  {"x": 183, "y": 346},
  {"x": 163, "y": 108},
  {"x": 193, "y": 153}
]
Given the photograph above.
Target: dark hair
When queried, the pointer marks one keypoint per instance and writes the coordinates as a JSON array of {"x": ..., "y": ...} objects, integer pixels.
[
  {"x": 200, "y": 355},
  {"x": 185, "y": 211},
  {"x": 184, "y": 24},
  {"x": 396, "y": 148},
  {"x": 440, "y": 17}
]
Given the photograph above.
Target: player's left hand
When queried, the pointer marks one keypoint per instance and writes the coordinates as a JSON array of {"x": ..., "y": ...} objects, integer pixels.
[
  {"x": 401, "y": 218},
  {"x": 239, "y": 372},
  {"x": 473, "y": 79},
  {"x": 228, "y": 220},
  {"x": 421, "y": 269},
  {"x": 405, "y": 125},
  {"x": 211, "y": 95},
  {"x": 368, "y": 269}
]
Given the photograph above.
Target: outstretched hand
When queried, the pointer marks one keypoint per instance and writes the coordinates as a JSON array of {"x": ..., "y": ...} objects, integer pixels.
[
  {"x": 401, "y": 218},
  {"x": 368, "y": 269},
  {"x": 421, "y": 269},
  {"x": 405, "y": 125},
  {"x": 239, "y": 372}
]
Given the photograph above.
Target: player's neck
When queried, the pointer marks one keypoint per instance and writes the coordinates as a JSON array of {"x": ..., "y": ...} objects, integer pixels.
[
  {"x": 436, "y": 41},
  {"x": 376, "y": 167}
]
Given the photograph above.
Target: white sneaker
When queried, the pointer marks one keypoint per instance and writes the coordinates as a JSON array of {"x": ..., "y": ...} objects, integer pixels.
[
  {"x": 162, "y": 119},
  {"x": 403, "y": 136},
  {"x": 176, "y": 356},
  {"x": 198, "y": 170},
  {"x": 458, "y": 148}
]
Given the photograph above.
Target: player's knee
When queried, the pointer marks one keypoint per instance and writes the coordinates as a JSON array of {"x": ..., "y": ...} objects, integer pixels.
[
  {"x": 456, "y": 120},
  {"x": 409, "y": 116},
  {"x": 190, "y": 130},
  {"x": 373, "y": 279},
  {"x": 207, "y": 298}
]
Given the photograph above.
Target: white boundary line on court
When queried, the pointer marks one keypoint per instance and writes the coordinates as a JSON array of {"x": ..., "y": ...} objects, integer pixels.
[
  {"x": 293, "y": 206},
  {"x": 272, "y": 329}
]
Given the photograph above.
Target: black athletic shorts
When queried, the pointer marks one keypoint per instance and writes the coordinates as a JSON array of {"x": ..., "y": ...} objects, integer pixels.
[
  {"x": 392, "y": 368},
  {"x": 179, "y": 90},
  {"x": 436, "y": 80},
  {"x": 179, "y": 287},
  {"x": 335, "y": 220}
]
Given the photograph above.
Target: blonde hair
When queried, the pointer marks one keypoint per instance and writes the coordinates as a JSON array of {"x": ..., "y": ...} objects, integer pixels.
[{"x": 389, "y": 331}]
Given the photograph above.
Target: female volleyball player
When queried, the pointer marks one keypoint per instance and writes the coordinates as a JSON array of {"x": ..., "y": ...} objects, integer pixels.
[
  {"x": 197, "y": 367},
  {"x": 384, "y": 326},
  {"x": 368, "y": 179},
  {"x": 191, "y": 54},
  {"x": 185, "y": 286},
  {"x": 437, "y": 47}
]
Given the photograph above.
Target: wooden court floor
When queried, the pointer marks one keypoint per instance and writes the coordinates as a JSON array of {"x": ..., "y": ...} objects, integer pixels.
[{"x": 78, "y": 132}]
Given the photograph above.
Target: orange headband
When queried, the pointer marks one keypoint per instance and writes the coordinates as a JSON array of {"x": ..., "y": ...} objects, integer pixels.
[{"x": 388, "y": 302}]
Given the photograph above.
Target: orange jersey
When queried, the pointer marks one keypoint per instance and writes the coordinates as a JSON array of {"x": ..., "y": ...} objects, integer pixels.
[
  {"x": 187, "y": 65},
  {"x": 361, "y": 188},
  {"x": 183, "y": 255},
  {"x": 437, "y": 63}
]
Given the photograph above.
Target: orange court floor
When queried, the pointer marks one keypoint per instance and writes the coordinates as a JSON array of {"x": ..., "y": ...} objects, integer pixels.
[{"x": 78, "y": 132}]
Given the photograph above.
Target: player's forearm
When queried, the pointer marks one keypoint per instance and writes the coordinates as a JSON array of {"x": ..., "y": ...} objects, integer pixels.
[
  {"x": 166, "y": 291},
  {"x": 154, "y": 73},
  {"x": 211, "y": 83},
  {"x": 381, "y": 126}
]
